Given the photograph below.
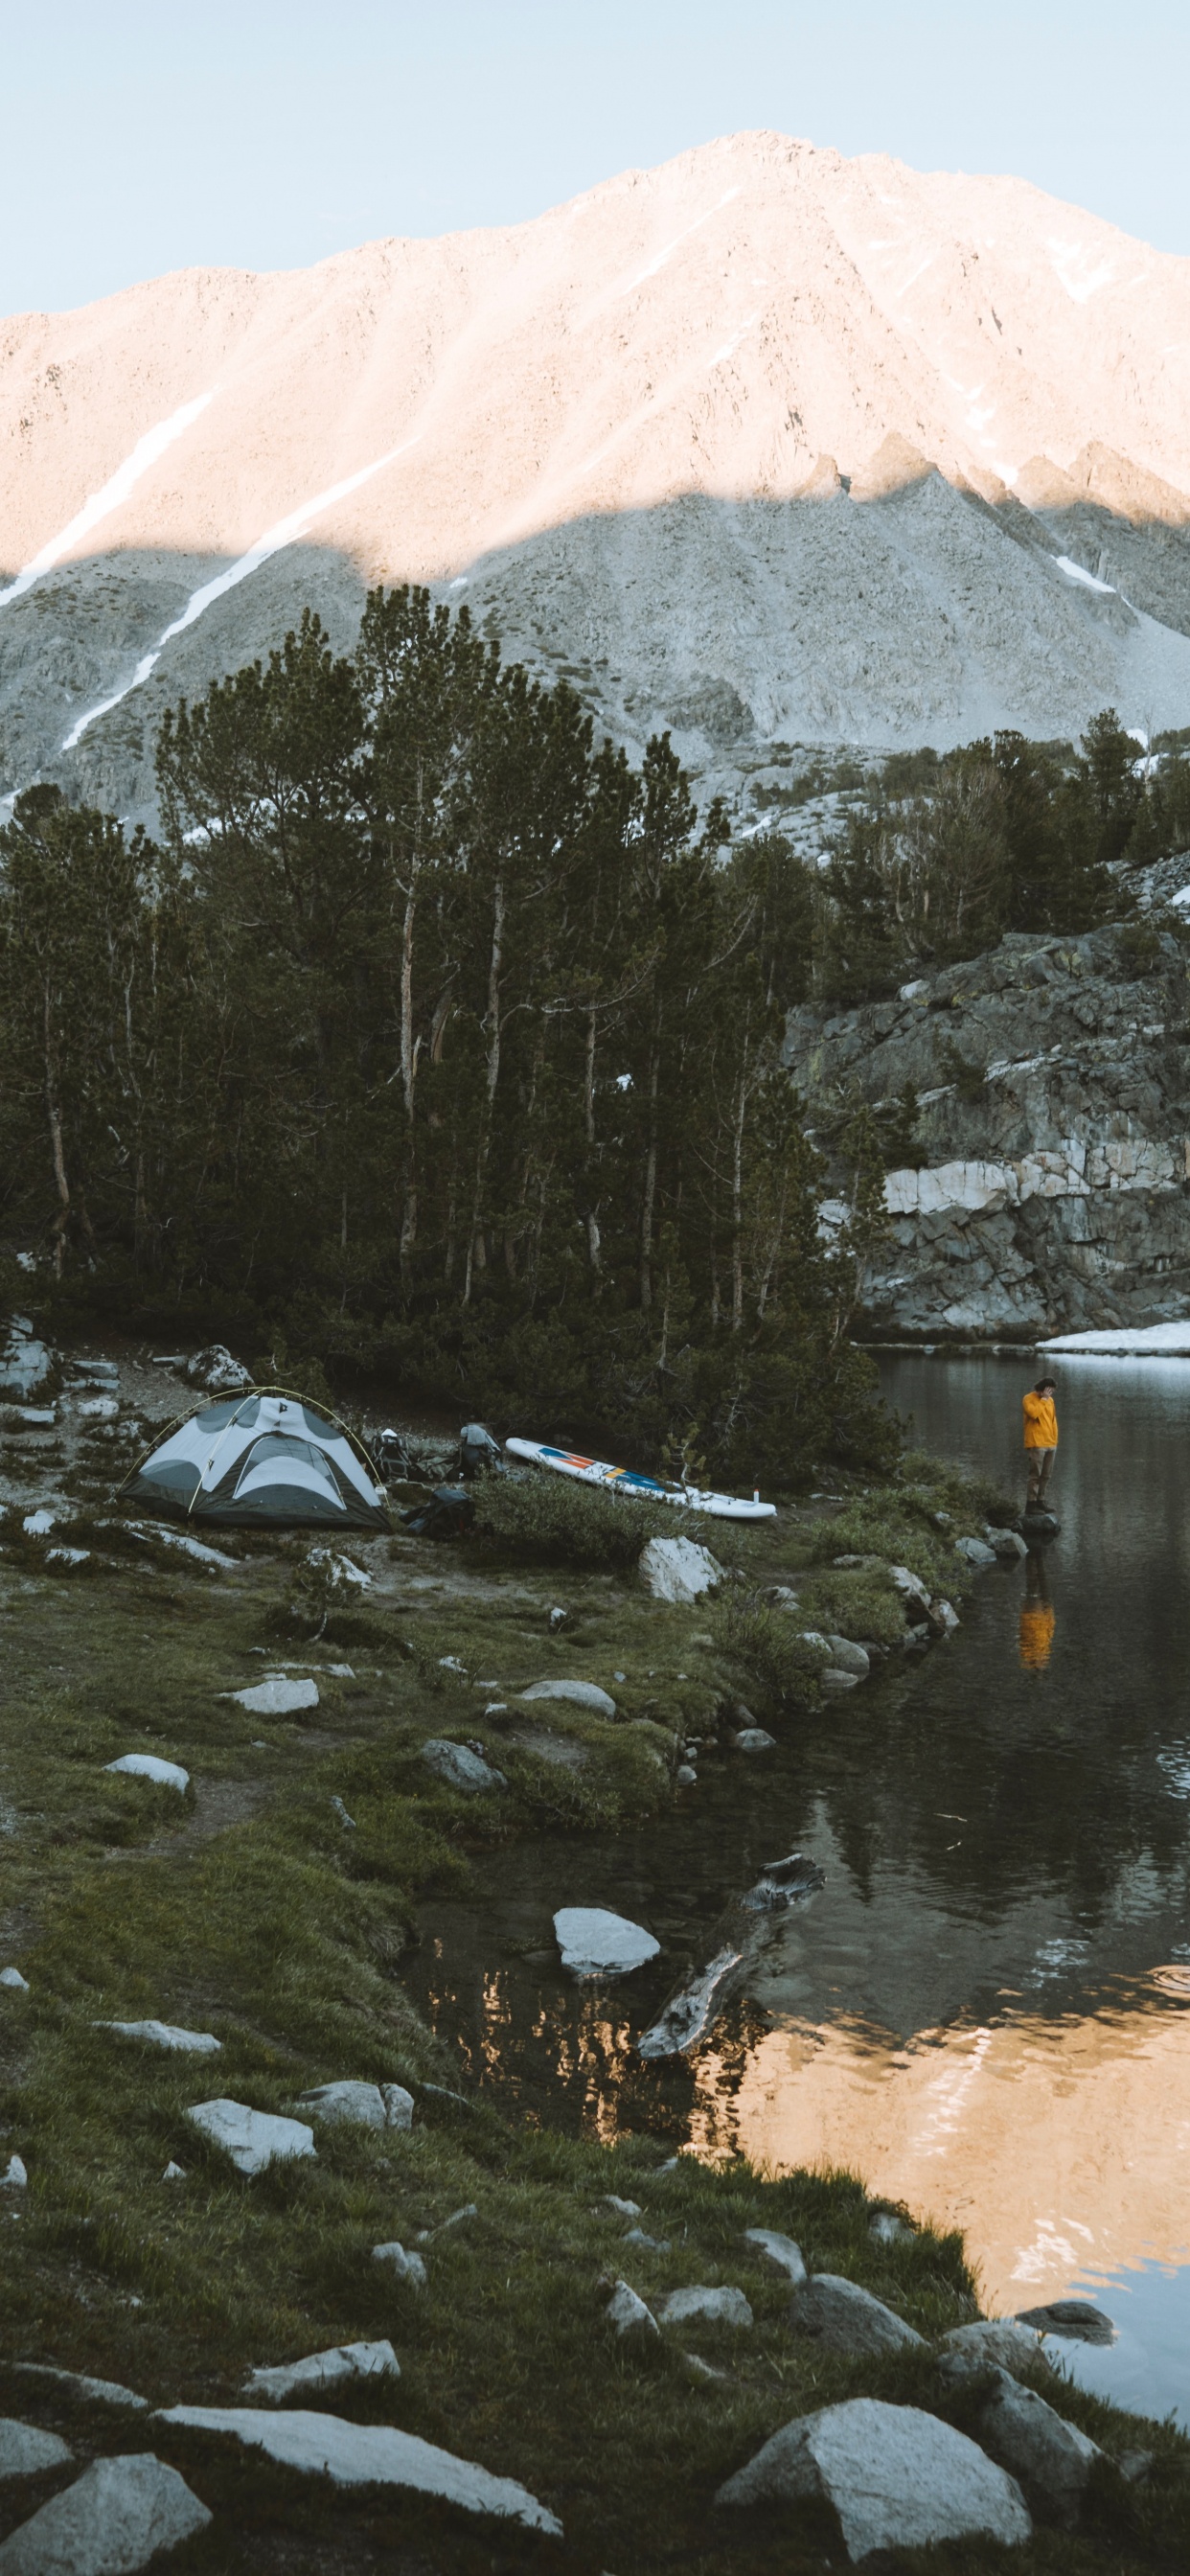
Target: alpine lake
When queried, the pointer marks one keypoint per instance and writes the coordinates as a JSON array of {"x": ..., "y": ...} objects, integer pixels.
[{"x": 985, "y": 2010}]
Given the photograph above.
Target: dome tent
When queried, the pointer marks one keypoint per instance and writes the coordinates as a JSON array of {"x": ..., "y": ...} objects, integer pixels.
[{"x": 263, "y": 1459}]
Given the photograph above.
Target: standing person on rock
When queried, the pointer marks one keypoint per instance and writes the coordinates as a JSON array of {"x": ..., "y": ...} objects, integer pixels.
[{"x": 1041, "y": 1438}]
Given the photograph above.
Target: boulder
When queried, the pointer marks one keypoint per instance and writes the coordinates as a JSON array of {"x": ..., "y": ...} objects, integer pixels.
[
  {"x": 461, "y": 1767},
  {"x": 345, "y": 2105},
  {"x": 165, "y": 2034},
  {"x": 15, "y": 2176},
  {"x": 116, "y": 2517},
  {"x": 216, "y": 1370},
  {"x": 25, "y": 2451},
  {"x": 846, "y": 1657},
  {"x": 367, "y": 2455},
  {"x": 91, "y": 2392},
  {"x": 910, "y": 1586},
  {"x": 628, "y": 2313},
  {"x": 726, "y": 2307},
  {"x": 837, "y": 1681},
  {"x": 12, "y": 1977},
  {"x": 38, "y": 1524},
  {"x": 844, "y": 2318},
  {"x": 276, "y": 1696},
  {"x": 1051, "y": 2457},
  {"x": 581, "y": 1695},
  {"x": 780, "y": 2250},
  {"x": 323, "y": 2369},
  {"x": 98, "y": 1408},
  {"x": 253, "y": 2139},
  {"x": 1006, "y": 1542},
  {"x": 398, "y": 2104},
  {"x": 596, "y": 1943},
  {"x": 25, "y": 1363},
  {"x": 1076, "y": 2320},
  {"x": 150, "y": 1766},
  {"x": 975, "y": 1550},
  {"x": 946, "y": 1616},
  {"x": 620, "y": 2208},
  {"x": 678, "y": 1569},
  {"x": 896, "y": 2477},
  {"x": 993, "y": 2343},
  {"x": 754, "y": 1739},
  {"x": 407, "y": 2267},
  {"x": 686, "y": 1776}
]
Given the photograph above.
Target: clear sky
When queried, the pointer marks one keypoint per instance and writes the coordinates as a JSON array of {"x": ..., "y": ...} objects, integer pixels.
[{"x": 136, "y": 138}]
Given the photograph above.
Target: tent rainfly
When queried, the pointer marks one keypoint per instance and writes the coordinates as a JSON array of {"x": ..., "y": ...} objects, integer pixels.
[{"x": 262, "y": 1459}]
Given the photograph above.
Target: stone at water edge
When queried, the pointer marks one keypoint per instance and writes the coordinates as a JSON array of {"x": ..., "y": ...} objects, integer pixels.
[
  {"x": 150, "y": 1766},
  {"x": 976, "y": 1551},
  {"x": 25, "y": 2450},
  {"x": 597, "y": 1943},
  {"x": 720, "y": 2307},
  {"x": 844, "y": 2318},
  {"x": 323, "y": 2369},
  {"x": 836, "y": 1681},
  {"x": 992, "y": 2343},
  {"x": 367, "y": 2455},
  {"x": 847, "y": 1657},
  {"x": 946, "y": 1616},
  {"x": 116, "y": 2517},
  {"x": 780, "y": 2250},
  {"x": 1030, "y": 2437},
  {"x": 1006, "y": 1542},
  {"x": 678, "y": 1569},
  {"x": 582, "y": 1694},
  {"x": 686, "y": 1776},
  {"x": 754, "y": 1739},
  {"x": 628, "y": 2313},
  {"x": 165, "y": 2034},
  {"x": 253, "y": 2139},
  {"x": 909, "y": 1585},
  {"x": 12, "y": 1977},
  {"x": 408, "y": 2267},
  {"x": 897, "y": 2478},
  {"x": 461, "y": 1767},
  {"x": 275, "y": 1696},
  {"x": 1077, "y": 2320}
]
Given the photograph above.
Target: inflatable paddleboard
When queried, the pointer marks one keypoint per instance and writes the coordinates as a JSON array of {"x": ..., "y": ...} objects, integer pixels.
[{"x": 645, "y": 1489}]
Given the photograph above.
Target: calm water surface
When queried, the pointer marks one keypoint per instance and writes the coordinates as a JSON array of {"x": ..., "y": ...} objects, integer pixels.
[{"x": 985, "y": 2011}]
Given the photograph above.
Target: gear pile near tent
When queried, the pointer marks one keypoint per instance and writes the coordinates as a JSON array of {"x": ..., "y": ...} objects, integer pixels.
[{"x": 262, "y": 1459}]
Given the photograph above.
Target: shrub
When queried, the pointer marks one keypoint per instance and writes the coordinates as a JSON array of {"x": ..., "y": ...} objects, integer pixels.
[
  {"x": 768, "y": 1647},
  {"x": 557, "y": 1521}
]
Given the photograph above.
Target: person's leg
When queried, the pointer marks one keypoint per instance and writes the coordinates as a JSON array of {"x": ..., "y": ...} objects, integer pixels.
[
  {"x": 1046, "y": 1458},
  {"x": 1034, "y": 1458}
]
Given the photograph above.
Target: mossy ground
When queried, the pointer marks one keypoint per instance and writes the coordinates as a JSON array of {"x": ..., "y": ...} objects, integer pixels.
[{"x": 251, "y": 1909}]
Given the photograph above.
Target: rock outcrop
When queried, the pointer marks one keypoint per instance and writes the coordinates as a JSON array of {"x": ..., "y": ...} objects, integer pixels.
[{"x": 1053, "y": 1081}]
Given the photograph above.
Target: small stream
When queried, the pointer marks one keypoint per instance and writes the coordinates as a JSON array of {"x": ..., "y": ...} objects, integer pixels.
[{"x": 985, "y": 2009}]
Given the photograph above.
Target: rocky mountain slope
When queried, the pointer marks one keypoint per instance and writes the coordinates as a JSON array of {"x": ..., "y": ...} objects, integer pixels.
[
  {"x": 767, "y": 446},
  {"x": 1053, "y": 1080}
]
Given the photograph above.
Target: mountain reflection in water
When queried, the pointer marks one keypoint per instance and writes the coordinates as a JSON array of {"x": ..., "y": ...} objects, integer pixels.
[{"x": 985, "y": 2010}]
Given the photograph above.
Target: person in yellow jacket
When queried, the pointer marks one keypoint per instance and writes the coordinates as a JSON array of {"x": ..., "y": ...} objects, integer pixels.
[{"x": 1041, "y": 1437}]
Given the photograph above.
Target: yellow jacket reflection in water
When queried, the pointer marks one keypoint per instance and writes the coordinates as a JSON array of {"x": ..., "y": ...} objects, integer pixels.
[{"x": 1037, "y": 1621}]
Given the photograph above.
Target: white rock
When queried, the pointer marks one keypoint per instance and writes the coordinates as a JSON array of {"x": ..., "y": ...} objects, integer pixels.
[
  {"x": 461, "y": 1767},
  {"x": 12, "y": 1977},
  {"x": 25, "y": 2450},
  {"x": 596, "y": 1943},
  {"x": 628, "y": 2313},
  {"x": 678, "y": 1569},
  {"x": 993, "y": 2343},
  {"x": 780, "y": 2250},
  {"x": 114, "y": 2518},
  {"x": 341, "y": 1572},
  {"x": 897, "y": 2478},
  {"x": 946, "y": 1615},
  {"x": 1037, "y": 2444},
  {"x": 754, "y": 1739},
  {"x": 582, "y": 1694},
  {"x": 1006, "y": 1542},
  {"x": 888, "y": 2229},
  {"x": 158, "y": 1536},
  {"x": 165, "y": 2034},
  {"x": 68, "y": 1556},
  {"x": 150, "y": 1766},
  {"x": 252, "y": 2139},
  {"x": 368, "y": 2455},
  {"x": 275, "y": 1696},
  {"x": 25, "y": 1362},
  {"x": 833, "y": 1679},
  {"x": 95, "y": 2392},
  {"x": 717, "y": 2307},
  {"x": 408, "y": 2267},
  {"x": 15, "y": 2177},
  {"x": 686, "y": 1776},
  {"x": 39, "y": 1524},
  {"x": 345, "y": 2104},
  {"x": 398, "y": 2105},
  {"x": 322, "y": 2370},
  {"x": 98, "y": 1408},
  {"x": 844, "y": 2318},
  {"x": 847, "y": 1657},
  {"x": 620, "y": 2208},
  {"x": 173, "y": 2172},
  {"x": 910, "y": 1585},
  {"x": 216, "y": 1370},
  {"x": 976, "y": 1551}
]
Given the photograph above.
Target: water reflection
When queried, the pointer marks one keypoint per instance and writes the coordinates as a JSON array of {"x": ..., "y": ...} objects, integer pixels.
[{"x": 985, "y": 2011}]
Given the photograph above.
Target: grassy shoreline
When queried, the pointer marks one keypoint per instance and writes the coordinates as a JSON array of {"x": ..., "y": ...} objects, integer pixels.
[{"x": 251, "y": 1910}]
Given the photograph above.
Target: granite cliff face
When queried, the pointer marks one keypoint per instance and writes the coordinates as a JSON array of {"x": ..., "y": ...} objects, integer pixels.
[{"x": 1053, "y": 1189}]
